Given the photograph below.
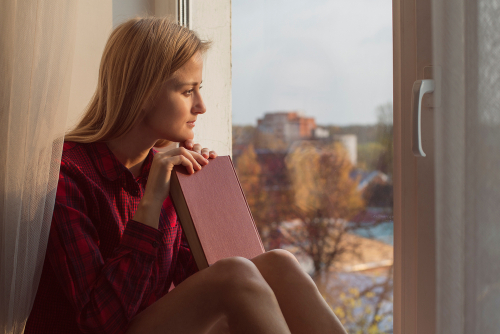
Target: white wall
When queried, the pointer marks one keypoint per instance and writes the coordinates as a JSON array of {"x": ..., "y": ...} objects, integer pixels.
[
  {"x": 94, "y": 24},
  {"x": 211, "y": 19},
  {"x": 125, "y": 9}
]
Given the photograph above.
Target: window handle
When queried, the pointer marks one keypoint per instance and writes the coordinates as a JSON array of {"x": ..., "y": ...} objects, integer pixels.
[{"x": 420, "y": 87}]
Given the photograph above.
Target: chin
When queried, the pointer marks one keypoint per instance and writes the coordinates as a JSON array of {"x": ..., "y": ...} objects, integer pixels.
[{"x": 180, "y": 139}]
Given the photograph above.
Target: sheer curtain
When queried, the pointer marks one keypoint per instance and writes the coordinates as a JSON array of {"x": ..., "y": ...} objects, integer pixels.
[
  {"x": 467, "y": 54},
  {"x": 36, "y": 51}
]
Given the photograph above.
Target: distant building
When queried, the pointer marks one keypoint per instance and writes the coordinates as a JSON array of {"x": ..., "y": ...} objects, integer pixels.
[
  {"x": 292, "y": 126},
  {"x": 321, "y": 133},
  {"x": 350, "y": 143},
  {"x": 287, "y": 126}
]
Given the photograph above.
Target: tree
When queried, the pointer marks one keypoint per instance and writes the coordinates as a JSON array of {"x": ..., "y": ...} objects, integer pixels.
[
  {"x": 379, "y": 194},
  {"x": 243, "y": 135},
  {"x": 369, "y": 155},
  {"x": 324, "y": 199},
  {"x": 269, "y": 141},
  {"x": 250, "y": 176}
]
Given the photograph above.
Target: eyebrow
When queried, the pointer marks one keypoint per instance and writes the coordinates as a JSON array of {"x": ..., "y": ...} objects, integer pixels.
[{"x": 180, "y": 84}]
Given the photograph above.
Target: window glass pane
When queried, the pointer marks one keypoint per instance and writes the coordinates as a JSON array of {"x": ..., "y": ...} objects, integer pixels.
[{"x": 312, "y": 143}]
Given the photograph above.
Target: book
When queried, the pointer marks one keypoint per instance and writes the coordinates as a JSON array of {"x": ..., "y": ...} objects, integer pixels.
[{"x": 214, "y": 213}]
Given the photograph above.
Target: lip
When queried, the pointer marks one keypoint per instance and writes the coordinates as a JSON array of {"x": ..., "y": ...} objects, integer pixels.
[{"x": 191, "y": 123}]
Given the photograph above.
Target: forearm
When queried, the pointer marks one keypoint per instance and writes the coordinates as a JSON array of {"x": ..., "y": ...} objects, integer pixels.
[{"x": 148, "y": 212}]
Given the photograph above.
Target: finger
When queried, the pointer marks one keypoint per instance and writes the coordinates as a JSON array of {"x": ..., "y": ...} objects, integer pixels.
[
  {"x": 206, "y": 153},
  {"x": 189, "y": 143},
  {"x": 192, "y": 156},
  {"x": 199, "y": 158},
  {"x": 197, "y": 148},
  {"x": 181, "y": 160},
  {"x": 213, "y": 154}
]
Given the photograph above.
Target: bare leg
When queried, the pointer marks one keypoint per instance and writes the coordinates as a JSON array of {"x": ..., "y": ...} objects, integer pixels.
[
  {"x": 221, "y": 327},
  {"x": 302, "y": 305},
  {"x": 232, "y": 287}
]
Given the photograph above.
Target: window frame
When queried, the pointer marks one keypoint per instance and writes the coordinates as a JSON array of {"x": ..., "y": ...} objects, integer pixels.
[{"x": 414, "y": 211}]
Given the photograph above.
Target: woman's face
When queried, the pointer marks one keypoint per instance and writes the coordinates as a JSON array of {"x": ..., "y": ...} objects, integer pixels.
[{"x": 172, "y": 114}]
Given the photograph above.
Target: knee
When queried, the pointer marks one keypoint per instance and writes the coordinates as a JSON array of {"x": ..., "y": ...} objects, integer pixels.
[
  {"x": 281, "y": 256},
  {"x": 280, "y": 259},
  {"x": 238, "y": 275},
  {"x": 280, "y": 265}
]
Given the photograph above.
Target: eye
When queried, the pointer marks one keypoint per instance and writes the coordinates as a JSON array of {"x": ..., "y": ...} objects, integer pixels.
[{"x": 189, "y": 92}]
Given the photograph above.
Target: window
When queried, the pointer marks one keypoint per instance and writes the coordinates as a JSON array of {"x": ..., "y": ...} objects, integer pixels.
[{"x": 312, "y": 142}]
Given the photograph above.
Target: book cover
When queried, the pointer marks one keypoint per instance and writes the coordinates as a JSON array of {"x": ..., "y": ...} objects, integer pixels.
[{"x": 214, "y": 213}]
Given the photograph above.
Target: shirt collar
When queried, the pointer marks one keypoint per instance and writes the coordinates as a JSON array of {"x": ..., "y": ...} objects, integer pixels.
[{"x": 110, "y": 167}]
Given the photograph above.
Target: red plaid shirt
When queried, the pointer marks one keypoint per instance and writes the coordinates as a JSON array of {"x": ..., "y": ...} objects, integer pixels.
[{"x": 102, "y": 268}]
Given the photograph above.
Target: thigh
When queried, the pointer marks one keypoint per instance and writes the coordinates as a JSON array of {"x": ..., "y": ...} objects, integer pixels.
[
  {"x": 220, "y": 327},
  {"x": 199, "y": 303},
  {"x": 192, "y": 307}
]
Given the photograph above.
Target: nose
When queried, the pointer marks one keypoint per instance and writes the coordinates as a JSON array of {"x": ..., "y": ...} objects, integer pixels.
[{"x": 199, "y": 106}]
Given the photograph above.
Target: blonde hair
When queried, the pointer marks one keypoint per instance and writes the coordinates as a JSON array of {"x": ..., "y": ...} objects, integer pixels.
[{"x": 139, "y": 56}]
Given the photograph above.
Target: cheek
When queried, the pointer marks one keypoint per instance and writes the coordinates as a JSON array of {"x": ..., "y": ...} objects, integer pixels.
[{"x": 179, "y": 111}]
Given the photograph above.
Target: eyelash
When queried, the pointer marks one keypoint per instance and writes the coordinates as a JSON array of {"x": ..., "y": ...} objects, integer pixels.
[{"x": 189, "y": 92}]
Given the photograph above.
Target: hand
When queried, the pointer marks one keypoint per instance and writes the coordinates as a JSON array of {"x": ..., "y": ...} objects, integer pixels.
[
  {"x": 158, "y": 185},
  {"x": 205, "y": 152}
]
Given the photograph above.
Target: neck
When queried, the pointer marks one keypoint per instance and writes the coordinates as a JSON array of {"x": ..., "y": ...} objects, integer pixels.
[{"x": 131, "y": 150}]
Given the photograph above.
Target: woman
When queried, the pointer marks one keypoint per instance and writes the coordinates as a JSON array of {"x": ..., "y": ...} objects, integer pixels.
[{"x": 115, "y": 245}]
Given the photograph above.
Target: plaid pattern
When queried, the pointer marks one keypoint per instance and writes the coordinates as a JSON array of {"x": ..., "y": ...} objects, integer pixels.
[{"x": 102, "y": 268}]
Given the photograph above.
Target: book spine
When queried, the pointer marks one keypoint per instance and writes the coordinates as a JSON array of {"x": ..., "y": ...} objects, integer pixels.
[{"x": 182, "y": 209}]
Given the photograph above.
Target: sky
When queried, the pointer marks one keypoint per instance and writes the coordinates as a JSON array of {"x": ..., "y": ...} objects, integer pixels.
[{"x": 329, "y": 59}]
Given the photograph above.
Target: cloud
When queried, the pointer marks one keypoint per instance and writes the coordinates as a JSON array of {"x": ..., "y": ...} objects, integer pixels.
[{"x": 330, "y": 59}]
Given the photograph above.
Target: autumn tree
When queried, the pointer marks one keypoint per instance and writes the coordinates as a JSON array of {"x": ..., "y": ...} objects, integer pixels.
[
  {"x": 325, "y": 197},
  {"x": 250, "y": 176},
  {"x": 369, "y": 155},
  {"x": 243, "y": 135},
  {"x": 379, "y": 194},
  {"x": 269, "y": 141}
]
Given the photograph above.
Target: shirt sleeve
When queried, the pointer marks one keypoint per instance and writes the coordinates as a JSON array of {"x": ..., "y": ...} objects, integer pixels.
[
  {"x": 186, "y": 265},
  {"x": 105, "y": 294}
]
